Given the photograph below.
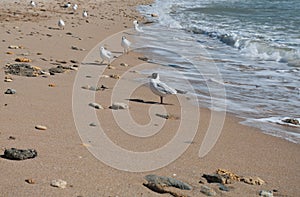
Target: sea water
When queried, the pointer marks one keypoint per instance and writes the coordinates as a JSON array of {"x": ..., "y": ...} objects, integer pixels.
[{"x": 250, "y": 50}]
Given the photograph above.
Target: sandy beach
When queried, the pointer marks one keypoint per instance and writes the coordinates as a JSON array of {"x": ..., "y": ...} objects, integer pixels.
[{"x": 68, "y": 149}]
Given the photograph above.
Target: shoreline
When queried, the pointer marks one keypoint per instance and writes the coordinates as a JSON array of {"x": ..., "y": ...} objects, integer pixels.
[
  {"x": 266, "y": 115},
  {"x": 63, "y": 155}
]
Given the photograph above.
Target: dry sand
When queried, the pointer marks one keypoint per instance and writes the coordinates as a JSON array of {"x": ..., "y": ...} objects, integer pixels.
[{"x": 61, "y": 152}]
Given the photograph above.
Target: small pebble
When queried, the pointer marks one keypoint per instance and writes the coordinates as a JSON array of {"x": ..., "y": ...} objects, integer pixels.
[
  {"x": 93, "y": 124},
  {"x": 10, "y": 91},
  {"x": 265, "y": 193},
  {"x": 30, "y": 181},
  {"x": 96, "y": 105},
  {"x": 74, "y": 61},
  {"x": 111, "y": 67},
  {"x": 58, "y": 183},
  {"x": 115, "y": 76},
  {"x": 117, "y": 106},
  {"x": 41, "y": 127},
  {"x": 11, "y": 138},
  {"x": 8, "y": 80},
  {"x": 21, "y": 59},
  {"x": 123, "y": 64},
  {"x": 13, "y": 47}
]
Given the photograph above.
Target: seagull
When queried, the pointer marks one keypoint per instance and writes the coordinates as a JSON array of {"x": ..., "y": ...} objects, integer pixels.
[
  {"x": 84, "y": 14},
  {"x": 105, "y": 55},
  {"x": 75, "y": 6},
  {"x": 136, "y": 26},
  {"x": 32, "y": 3},
  {"x": 125, "y": 44},
  {"x": 159, "y": 88},
  {"x": 61, "y": 24}
]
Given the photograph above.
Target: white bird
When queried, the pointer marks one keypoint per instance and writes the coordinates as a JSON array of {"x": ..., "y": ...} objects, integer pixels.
[
  {"x": 75, "y": 7},
  {"x": 84, "y": 14},
  {"x": 32, "y": 3},
  {"x": 125, "y": 44},
  {"x": 105, "y": 55},
  {"x": 61, "y": 24},
  {"x": 159, "y": 88},
  {"x": 136, "y": 26}
]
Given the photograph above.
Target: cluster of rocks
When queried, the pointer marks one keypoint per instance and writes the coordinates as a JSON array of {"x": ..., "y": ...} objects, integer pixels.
[
  {"x": 163, "y": 184},
  {"x": 221, "y": 179},
  {"x": 23, "y": 69}
]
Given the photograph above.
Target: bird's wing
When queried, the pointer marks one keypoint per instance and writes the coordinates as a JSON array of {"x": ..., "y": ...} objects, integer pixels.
[
  {"x": 108, "y": 53},
  {"x": 162, "y": 87}
]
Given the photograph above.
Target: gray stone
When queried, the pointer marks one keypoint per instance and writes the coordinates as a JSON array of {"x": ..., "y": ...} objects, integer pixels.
[
  {"x": 96, "y": 105},
  {"x": 167, "y": 181},
  {"x": 117, "y": 106},
  {"x": 266, "y": 193},
  {"x": 19, "y": 154},
  {"x": 207, "y": 191},
  {"x": 10, "y": 91},
  {"x": 224, "y": 188}
]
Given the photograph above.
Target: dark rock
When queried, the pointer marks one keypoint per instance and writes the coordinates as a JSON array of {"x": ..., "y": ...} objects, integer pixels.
[
  {"x": 167, "y": 181},
  {"x": 58, "y": 69},
  {"x": 291, "y": 121},
  {"x": 74, "y": 61},
  {"x": 61, "y": 61},
  {"x": 214, "y": 178},
  {"x": 10, "y": 91},
  {"x": 19, "y": 154},
  {"x": 143, "y": 58},
  {"x": 11, "y": 138}
]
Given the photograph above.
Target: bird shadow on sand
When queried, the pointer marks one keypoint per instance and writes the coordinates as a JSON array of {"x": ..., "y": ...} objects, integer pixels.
[
  {"x": 147, "y": 102},
  {"x": 94, "y": 63},
  {"x": 55, "y": 28}
]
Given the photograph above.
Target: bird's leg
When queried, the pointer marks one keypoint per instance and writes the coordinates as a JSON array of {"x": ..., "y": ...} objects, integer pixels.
[{"x": 161, "y": 100}]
